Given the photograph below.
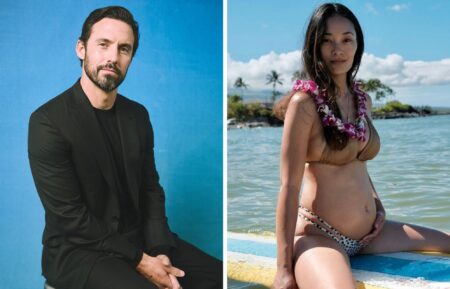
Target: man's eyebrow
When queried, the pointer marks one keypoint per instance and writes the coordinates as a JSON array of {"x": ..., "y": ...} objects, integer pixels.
[
  {"x": 103, "y": 40},
  {"x": 109, "y": 41}
]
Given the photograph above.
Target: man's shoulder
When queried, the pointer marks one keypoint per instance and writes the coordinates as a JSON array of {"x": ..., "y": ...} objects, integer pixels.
[
  {"x": 130, "y": 104},
  {"x": 54, "y": 104}
]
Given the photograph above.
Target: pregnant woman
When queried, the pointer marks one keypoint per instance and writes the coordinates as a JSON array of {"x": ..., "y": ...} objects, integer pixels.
[{"x": 328, "y": 137}]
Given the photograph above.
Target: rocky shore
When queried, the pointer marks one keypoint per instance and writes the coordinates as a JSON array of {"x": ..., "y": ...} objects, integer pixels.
[{"x": 274, "y": 122}]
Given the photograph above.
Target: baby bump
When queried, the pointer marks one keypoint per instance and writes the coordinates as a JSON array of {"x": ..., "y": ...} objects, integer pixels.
[{"x": 353, "y": 219}]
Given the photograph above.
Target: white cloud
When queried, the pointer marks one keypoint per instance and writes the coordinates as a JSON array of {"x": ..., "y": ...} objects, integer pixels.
[
  {"x": 254, "y": 71},
  {"x": 395, "y": 71},
  {"x": 392, "y": 70},
  {"x": 398, "y": 7},
  {"x": 371, "y": 8}
]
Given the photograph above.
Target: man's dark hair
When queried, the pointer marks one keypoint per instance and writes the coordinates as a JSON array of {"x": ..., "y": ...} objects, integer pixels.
[{"x": 113, "y": 12}]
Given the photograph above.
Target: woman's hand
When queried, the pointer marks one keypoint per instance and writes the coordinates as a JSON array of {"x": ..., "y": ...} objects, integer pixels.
[
  {"x": 377, "y": 227},
  {"x": 284, "y": 280}
]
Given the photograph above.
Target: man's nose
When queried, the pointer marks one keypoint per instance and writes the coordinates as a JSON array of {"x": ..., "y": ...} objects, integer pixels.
[{"x": 113, "y": 54}]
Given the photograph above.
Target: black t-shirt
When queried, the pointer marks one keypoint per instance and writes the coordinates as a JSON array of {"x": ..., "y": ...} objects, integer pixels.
[
  {"x": 109, "y": 126},
  {"x": 129, "y": 219}
]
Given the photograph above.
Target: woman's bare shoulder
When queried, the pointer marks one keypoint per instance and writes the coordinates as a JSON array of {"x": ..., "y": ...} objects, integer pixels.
[{"x": 303, "y": 103}]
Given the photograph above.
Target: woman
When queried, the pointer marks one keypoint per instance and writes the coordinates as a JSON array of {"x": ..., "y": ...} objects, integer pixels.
[{"x": 328, "y": 137}]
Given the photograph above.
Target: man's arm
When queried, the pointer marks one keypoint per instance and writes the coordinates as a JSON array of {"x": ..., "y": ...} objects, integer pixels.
[
  {"x": 59, "y": 190},
  {"x": 158, "y": 238}
]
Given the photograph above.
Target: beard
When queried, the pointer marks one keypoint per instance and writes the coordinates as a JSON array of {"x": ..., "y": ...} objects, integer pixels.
[{"x": 107, "y": 82}]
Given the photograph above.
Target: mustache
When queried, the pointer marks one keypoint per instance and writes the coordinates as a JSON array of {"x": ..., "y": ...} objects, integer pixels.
[{"x": 110, "y": 66}]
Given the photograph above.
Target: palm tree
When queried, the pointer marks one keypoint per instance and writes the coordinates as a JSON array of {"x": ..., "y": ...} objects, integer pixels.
[
  {"x": 274, "y": 78},
  {"x": 298, "y": 75},
  {"x": 374, "y": 85},
  {"x": 240, "y": 84}
]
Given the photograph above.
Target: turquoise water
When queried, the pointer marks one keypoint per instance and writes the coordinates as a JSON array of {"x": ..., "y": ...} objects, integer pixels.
[{"x": 411, "y": 174}]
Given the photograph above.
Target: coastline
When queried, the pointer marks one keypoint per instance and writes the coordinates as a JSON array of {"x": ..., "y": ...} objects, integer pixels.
[{"x": 271, "y": 121}]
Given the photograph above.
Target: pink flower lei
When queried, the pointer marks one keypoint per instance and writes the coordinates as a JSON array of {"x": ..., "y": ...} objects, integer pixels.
[{"x": 352, "y": 130}]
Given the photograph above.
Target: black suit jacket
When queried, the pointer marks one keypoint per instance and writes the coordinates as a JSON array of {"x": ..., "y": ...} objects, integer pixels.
[{"x": 73, "y": 175}]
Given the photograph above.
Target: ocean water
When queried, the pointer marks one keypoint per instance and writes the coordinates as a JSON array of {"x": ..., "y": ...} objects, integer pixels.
[{"x": 411, "y": 174}]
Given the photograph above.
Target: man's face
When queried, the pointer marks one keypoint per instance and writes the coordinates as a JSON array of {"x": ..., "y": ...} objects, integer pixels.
[{"x": 107, "y": 53}]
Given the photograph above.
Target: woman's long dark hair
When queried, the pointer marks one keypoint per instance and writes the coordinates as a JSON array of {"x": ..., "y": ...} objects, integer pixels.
[{"x": 315, "y": 69}]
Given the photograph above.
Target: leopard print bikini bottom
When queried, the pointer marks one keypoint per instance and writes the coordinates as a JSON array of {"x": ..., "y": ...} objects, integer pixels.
[{"x": 351, "y": 246}]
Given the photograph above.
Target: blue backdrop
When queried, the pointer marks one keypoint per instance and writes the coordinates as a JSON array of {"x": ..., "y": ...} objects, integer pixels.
[{"x": 176, "y": 74}]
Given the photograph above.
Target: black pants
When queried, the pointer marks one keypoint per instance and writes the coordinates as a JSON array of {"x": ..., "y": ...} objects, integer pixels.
[{"x": 202, "y": 271}]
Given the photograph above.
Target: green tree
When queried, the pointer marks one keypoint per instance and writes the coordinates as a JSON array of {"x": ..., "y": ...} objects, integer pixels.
[
  {"x": 256, "y": 110},
  {"x": 376, "y": 86},
  {"x": 234, "y": 98},
  {"x": 298, "y": 74},
  {"x": 273, "y": 78},
  {"x": 397, "y": 106},
  {"x": 240, "y": 84},
  {"x": 236, "y": 108}
]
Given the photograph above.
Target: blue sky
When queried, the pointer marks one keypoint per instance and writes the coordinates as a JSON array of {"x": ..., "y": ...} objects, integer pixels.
[{"x": 407, "y": 44}]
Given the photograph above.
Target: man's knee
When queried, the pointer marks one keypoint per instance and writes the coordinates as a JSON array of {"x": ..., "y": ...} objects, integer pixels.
[
  {"x": 202, "y": 270},
  {"x": 112, "y": 272}
]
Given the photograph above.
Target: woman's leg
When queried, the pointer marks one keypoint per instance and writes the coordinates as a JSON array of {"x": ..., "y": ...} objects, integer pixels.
[
  {"x": 321, "y": 263},
  {"x": 397, "y": 236}
]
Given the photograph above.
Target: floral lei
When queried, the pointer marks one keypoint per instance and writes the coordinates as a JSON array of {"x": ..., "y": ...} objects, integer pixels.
[{"x": 352, "y": 130}]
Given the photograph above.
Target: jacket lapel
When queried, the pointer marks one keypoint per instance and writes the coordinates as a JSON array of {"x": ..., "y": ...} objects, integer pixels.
[
  {"x": 92, "y": 134},
  {"x": 130, "y": 144}
]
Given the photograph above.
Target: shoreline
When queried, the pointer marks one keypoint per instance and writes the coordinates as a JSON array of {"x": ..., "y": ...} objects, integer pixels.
[{"x": 272, "y": 122}]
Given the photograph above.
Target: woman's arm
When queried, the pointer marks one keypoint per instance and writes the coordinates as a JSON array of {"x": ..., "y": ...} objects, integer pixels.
[
  {"x": 376, "y": 197},
  {"x": 378, "y": 203},
  {"x": 381, "y": 213},
  {"x": 298, "y": 122},
  {"x": 380, "y": 218}
]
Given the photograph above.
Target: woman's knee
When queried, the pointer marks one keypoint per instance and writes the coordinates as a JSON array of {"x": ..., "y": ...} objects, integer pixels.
[
  {"x": 321, "y": 263},
  {"x": 398, "y": 236}
]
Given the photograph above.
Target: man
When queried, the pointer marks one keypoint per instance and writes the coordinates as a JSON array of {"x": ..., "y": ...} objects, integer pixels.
[{"x": 91, "y": 156}]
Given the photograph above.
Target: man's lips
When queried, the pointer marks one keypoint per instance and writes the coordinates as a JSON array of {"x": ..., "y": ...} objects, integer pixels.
[{"x": 109, "y": 70}]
